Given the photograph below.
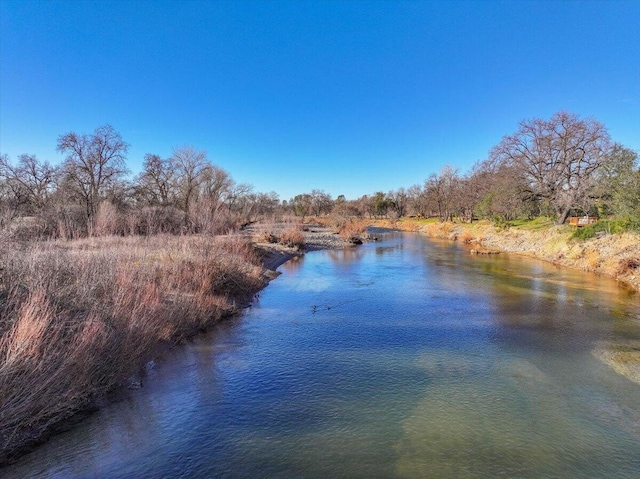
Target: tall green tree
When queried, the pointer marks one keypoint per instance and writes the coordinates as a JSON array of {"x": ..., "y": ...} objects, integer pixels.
[{"x": 619, "y": 182}]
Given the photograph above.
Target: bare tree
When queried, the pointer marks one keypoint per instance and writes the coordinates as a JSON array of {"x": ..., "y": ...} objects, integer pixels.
[
  {"x": 93, "y": 163},
  {"x": 443, "y": 189},
  {"x": 361, "y": 205},
  {"x": 216, "y": 186},
  {"x": 302, "y": 204},
  {"x": 189, "y": 166},
  {"x": 156, "y": 182},
  {"x": 248, "y": 206},
  {"x": 214, "y": 189},
  {"x": 14, "y": 196},
  {"x": 239, "y": 199},
  {"x": 468, "y": 196},
  {"x": 321, "y": 202},
  {"x": 558, "y": 158},
  {"x": 417, "y": 201},
  {"x": 398, "y": 200},
  {"x": 344, "y": 209},
  {"x": 30, "y": 181}
]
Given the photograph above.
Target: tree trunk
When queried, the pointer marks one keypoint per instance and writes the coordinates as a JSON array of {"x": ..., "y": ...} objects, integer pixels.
[{"x": 563, "y": 217}]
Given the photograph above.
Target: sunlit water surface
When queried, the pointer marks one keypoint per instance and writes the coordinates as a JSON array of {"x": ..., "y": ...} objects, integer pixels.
[{"x": 402, "y": 358}]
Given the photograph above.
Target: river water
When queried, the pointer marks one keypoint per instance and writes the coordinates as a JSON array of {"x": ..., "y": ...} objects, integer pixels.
[{"x": 407, "y": 357}]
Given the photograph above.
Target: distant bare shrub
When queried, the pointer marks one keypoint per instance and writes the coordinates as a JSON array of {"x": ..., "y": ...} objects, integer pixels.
[
  {"x": 291, "y": 219},
  {"x": 266, "y": 237},
  {"x": 353, "y": 230},
  {"x": 26, "y": 228},
  {"x": 292, "y": 237},
  {"x": 161, "y": 219},
  {"x": 107, "y": 220},
  {"x": 71, "y": 222},
  {"x": 226, "y": 222}
]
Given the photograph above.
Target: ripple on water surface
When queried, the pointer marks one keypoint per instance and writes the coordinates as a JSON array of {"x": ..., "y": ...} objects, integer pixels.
[{"x": 402, "y": 358}]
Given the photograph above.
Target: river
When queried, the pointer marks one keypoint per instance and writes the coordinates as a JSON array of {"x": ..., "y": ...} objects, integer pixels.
[{"x": 406, "y": 357}]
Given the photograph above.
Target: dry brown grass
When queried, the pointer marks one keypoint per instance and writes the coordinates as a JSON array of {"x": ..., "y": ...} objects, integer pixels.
[
  {"x": 592, "y": 259},
  {"x": 326, "y": 221},
  {"x": 440, "y": 230},
  {"x": 628, "y": 266},
  {"x": 447, "y": 227},
  {"x": 78, "y": 318},
  {"x": 409, "y": 225},
  {"x": 466, "y": 237},
  {"x": 353, "y": 230},
  {"x": 266, "y": 237},
  {"x": 292, "y": 237}
]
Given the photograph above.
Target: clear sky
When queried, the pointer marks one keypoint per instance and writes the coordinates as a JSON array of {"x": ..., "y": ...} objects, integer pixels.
[{"x": 351, "y": 97}]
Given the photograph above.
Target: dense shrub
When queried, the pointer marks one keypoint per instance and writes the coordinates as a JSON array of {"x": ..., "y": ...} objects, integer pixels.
[
  {"x": 292, "y": 237},
  {"x": 500, "y": 223},
  {"x": 353, "y": 230}
]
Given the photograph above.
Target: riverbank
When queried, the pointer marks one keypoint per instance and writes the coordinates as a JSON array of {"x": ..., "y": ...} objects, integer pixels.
[
  {"x": 314, "y": 237},
  {"x": 80, "y": 318},
  {"x": 616, "y": 256}
]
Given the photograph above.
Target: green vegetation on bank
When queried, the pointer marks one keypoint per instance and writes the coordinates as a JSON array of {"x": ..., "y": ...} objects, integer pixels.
[
  {"x": 607, "y": 226},
  {"x": 534, "y": 224}
]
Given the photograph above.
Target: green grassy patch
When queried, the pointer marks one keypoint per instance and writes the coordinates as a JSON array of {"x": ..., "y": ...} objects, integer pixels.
[
  {"x": 535, "y": 224},
  {"x": 425, "y": 221},
  {"x": 608, "y": 226}
]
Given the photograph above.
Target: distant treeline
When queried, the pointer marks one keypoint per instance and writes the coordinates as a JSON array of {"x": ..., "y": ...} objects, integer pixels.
[
  {"x": 556, "y": 167},
  {"x": 553, "y": 168},
  {"x": 91, "y": 193}
]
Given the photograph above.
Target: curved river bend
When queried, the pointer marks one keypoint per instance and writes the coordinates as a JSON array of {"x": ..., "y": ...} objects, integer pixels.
[{"x": 403, "y": 358}]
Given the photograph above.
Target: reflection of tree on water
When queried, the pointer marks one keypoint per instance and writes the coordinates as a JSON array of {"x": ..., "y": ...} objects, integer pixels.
[
  {"x": 347, "y": 255},
  {"x": 380, "y": 250},
  {"x": 293, "y": 264}
]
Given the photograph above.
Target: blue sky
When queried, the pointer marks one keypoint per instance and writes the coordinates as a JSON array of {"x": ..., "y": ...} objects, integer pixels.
[{"x": 351, "y": 97}]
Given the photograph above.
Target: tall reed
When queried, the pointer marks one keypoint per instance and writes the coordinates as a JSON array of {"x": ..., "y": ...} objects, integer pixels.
[{"x": 79, "y": 317}]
